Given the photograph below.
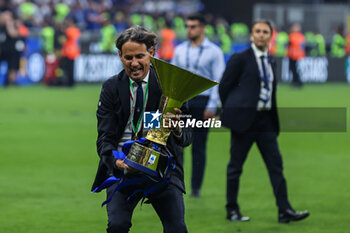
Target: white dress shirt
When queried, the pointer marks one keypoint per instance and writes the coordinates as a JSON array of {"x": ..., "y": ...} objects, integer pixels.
[
  {"x": 128, "y": 128},
  {"x": 265, "y": 96},
  {"x": 206, "y": 60}
]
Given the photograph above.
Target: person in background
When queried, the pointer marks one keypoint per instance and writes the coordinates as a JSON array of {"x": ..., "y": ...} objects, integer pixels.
[
  {"x": 282, "y": 41},
  {"x": 70, "y": 51},
  {"x": 167, "y": 47},
  {"x": 347, "y": 46},
  {"x": 120, "y": 21},
  {"x": 338, "y": 42},
  {"x": 199, "y": 55},
  {"x": 108, "y": 34},
  {"x": 48, "y": 35},
  {"x": 11, "y": 45},
  {"x": 272, "y": 45},
  {"x": 321, "y": 45},
  {"x": 248, "y": 95},
  {"x": 296, "y": 51}
]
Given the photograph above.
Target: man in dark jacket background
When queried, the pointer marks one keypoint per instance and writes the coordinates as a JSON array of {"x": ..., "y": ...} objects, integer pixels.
[{"x": 248, "y": 95}]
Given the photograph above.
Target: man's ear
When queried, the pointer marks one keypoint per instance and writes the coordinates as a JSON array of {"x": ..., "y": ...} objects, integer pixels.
[
  {"x": 119, "y": 53},
  {"x": 151, "y": 51}
]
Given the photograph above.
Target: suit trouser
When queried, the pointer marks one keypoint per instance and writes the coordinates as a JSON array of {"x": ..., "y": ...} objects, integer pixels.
[
  {"x": 293, "y": 68},
  {"x": 266, "y": 139},
  {"x": 68, "y": 66},
  {"x": 197, "y": 106},
  {"x": 168, "y": 204}
]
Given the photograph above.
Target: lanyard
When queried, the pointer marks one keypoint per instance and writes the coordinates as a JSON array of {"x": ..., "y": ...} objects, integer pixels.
[
  {"x": 188, "y": 56},
  {"x": 267, "y": 69},
  {"x": 137, "y": 127}
]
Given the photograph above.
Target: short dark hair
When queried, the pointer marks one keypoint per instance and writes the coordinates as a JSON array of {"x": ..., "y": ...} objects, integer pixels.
[
  {"x": 265, "y": 21},
  {"x": 137, "y": 34},
  {"x": 197, "y": 16}
]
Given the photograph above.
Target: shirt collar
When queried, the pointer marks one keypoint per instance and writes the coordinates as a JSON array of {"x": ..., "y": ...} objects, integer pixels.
[
  {"x": 204, "y": 43},
  {"x": 258, "y": 53},
  {"x": 145, "y": 80}
]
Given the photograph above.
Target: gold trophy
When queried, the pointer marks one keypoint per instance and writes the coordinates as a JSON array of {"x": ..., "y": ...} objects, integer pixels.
[{"x": 178, "y": 86}]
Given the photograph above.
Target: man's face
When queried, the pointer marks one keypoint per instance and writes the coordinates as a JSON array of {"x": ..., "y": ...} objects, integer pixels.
[
  {"x": 261, "y": 35},
  {"x": 194, "y": 29},
  {"x": 136, "y": 59}
]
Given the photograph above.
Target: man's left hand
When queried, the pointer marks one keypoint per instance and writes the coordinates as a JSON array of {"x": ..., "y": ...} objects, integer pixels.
[
  {"x": 173, "y": 119},
  {"x": 208, "y": 114}
]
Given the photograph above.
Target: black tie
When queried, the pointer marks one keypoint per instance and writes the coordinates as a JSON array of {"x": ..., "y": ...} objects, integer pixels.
[
  {"x": 138, "y": 106},
  {"x": 265, "y": 79}
]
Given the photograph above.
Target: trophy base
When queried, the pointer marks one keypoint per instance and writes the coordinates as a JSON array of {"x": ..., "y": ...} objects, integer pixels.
[
  {"x": 147, "y": 160},
  {"x": 141, "y": 168}
]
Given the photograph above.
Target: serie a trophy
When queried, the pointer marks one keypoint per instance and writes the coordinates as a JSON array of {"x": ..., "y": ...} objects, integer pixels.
[{"x": 178, "y": 85}]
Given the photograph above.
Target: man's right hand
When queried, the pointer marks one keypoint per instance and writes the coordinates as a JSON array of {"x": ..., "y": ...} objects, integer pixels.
[{"x": 121, "y": 165}]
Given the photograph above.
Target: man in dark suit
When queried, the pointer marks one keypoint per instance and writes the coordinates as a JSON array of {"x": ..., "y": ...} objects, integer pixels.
[
  {"x": 248, "y": 94},
  {"x": 123, "y": 98}
]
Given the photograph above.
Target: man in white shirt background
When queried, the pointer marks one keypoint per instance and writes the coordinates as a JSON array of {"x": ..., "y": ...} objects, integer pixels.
[{"x": 200, "y": 56}]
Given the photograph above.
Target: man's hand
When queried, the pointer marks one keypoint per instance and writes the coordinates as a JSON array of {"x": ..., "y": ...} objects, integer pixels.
[
  {"x": 208, "y": 114},
  {"x": 121, "y": 165},
  {"x": 175, "y": 119},
  {"x": 124, "y": 167}
]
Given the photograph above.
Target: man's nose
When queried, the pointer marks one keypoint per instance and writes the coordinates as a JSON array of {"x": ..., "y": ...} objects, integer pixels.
[{"x": 134, "y": 62}]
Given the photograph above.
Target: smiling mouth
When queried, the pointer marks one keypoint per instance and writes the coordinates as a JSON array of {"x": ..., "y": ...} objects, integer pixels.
[{"x": 136, "y": 72}]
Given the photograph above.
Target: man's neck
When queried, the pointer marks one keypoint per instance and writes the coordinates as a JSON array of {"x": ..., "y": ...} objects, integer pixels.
[
  {"x": 261, "y": 49},
  {"x": 198, "y": 41}
]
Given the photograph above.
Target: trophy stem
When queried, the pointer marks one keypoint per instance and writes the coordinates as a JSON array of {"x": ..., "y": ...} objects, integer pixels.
[{"x": 160, "y": 136}]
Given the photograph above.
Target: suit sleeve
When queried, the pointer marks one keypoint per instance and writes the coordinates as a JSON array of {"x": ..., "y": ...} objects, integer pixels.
[
  {"x": 230, "y": 78},
  {"x": 106, "y": 121},
  {"x": 106, "y": 126},
  {"x": 217, "y": 69}
]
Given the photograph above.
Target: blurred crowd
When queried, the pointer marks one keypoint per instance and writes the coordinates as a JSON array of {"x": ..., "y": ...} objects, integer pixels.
[
  {"x": 99, "y": 23},
  {"x": 110, "y": 17}
]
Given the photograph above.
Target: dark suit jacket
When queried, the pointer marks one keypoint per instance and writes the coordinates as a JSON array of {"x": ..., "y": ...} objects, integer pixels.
[
  {"x": 239, "y": 92},
  {"x": 113, "y": 114}
]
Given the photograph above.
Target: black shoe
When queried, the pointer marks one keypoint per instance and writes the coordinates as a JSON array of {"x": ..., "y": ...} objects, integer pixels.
[
  {"x": 288, "y": 215},
  {"x": 236, "y": 216},
  {"x": 297, "y": 84},
  {"x": 196, "y": 193}
]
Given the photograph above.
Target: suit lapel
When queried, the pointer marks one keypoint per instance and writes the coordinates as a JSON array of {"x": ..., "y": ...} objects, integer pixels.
[
  {"x": 273, "y": 66},
  {"x": 124, "y": 90},
  {"x": 254, "y": 66}
]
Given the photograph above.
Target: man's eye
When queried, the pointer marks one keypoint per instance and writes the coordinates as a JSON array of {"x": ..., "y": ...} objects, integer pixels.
[
  {"x": 127, "y": 57},
  {"x": 139, "y": 56}
]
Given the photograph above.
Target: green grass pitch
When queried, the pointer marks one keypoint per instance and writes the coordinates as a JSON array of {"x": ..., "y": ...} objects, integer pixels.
[{"x": 48, "y": 161}]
